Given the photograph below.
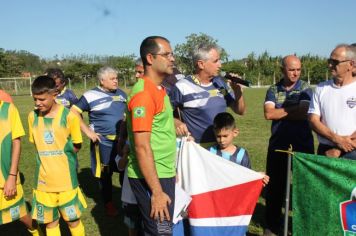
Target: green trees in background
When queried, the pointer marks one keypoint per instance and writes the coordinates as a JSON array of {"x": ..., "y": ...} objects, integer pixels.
[
  {"x": 183, "y": 52},
  {"x": 262, "y": 69},
  {"x": 84, "y": 67},
  {"x": 13, "y": 63}
]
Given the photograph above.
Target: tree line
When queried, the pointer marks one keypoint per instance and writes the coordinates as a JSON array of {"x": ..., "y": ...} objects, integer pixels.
[{"x": 262, "y": 69}]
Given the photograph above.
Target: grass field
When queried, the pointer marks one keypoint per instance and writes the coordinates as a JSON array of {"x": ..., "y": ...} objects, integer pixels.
[{"x": 254, "y": 134}]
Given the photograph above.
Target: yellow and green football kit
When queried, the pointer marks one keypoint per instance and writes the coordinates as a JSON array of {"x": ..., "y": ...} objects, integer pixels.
[
  {"x": 56, "y": 185},
  {"x": 11, "y": 128}
]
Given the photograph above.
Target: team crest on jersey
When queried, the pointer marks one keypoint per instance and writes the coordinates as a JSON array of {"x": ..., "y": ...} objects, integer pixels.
[
  {"x": 15, "y": 212},
  {"x": 221, "y": 92},
  {"x": 118, "y": 98},
  {"x": 347, "y": 215},
  {"x": 62, "y": 101},
  {"x": 71, "y": 212},
  {"x": 40, "y": 212},
  {"x": 280, "y": 97},
  {"x": 351, "y": 102},
  {"x": 139, "y": 112},
  {"x": 48, "y": 137}
]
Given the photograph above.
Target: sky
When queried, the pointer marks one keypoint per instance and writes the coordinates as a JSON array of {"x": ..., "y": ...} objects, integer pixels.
[{"x": 61, "y": 28}]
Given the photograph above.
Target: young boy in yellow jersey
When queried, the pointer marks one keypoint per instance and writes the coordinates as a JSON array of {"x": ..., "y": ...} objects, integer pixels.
[
  {"x": 55, "y": 131},
  {"x": 12, "y": 202}
]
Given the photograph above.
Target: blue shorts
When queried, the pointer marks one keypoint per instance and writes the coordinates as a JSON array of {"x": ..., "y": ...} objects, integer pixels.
[{"x": 143, "y": 197}]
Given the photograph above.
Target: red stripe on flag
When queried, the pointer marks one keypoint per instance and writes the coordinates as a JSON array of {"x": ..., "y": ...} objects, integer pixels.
[{"x": 232, "y": 201}]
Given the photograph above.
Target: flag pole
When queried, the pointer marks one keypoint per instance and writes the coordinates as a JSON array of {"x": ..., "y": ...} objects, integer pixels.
[{"x": 286, "y": 211}]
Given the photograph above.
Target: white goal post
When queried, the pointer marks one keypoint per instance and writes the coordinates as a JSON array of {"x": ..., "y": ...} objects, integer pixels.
[{"x": 16, "y": 85}]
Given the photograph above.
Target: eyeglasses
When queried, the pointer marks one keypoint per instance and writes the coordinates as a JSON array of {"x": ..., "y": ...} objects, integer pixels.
[
  {"x": 334, "y": 62},
  {"x": 165, "y": 54}
]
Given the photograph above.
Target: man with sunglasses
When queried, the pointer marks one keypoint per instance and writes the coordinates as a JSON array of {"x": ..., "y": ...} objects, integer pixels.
[
  {"x": 150, "y": 126},
  {"x": 332, "y": 112}
]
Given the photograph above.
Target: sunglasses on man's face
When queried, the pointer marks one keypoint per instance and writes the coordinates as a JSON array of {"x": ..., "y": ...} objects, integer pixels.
[{"x": 334, "y": 62}]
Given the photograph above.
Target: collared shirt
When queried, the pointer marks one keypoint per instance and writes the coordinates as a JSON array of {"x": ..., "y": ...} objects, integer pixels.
[
  {"x": 67, "y": 98},
  {"x": 199, "y": 104},
  {"x": 56, "y": 160},
  {"x": 105, "y": 109},
  {"x": 285, "y": 132},
  {"x": 149, "y": 110},
  {"x": 11, "y": 128},
  {"x": 336, "y": 107}
]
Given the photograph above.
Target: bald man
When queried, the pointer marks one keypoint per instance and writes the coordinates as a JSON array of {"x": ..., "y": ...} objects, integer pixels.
[{"x": 286, "y": 104}]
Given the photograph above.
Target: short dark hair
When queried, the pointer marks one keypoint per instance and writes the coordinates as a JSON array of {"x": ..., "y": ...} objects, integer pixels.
[
  {"x": 43, "y": 84},
  {"x": 224, "y": 120},
  {"x": 150, "y": 45},
  {"x": 55, "y": 73}
]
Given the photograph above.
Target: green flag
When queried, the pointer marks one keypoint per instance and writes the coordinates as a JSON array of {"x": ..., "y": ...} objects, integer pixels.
[{"x": 320, "y": 186}]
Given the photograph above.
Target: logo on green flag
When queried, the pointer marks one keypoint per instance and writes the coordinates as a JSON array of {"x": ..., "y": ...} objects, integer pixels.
[
  {"x": 348, "y": 215},
  {"x": 139, "y": 112}
]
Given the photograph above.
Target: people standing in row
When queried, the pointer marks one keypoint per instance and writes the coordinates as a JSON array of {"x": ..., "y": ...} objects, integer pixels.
[
  {"x": 65, "y": 96},
  {"x": 151, "y": 166},
  {"x": 139, "y": 70},
  {"x": 332, "y": 113},
  {"x": 226, "y": 131},
  {"x": 286, "y": 104},
  {"x": 55, "y": 132},
  {"x": 201, "y": 96},
  {"x": 105, "y": 105},
  {"x": 12, "y": 202}
]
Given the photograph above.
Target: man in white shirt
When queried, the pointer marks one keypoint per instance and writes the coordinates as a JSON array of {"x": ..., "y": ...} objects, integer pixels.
[{"x": 332, "y": 112}]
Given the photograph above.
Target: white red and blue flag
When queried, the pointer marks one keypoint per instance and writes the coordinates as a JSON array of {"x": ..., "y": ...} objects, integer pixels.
[{"x": 223, "y": 193}]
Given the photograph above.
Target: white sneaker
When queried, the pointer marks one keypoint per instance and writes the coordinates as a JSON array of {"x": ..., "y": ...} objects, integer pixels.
[{"x": 268, "y": 232}]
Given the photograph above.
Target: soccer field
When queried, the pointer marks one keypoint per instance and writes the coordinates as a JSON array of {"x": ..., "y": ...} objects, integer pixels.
[{"x": 254, "y": 134}]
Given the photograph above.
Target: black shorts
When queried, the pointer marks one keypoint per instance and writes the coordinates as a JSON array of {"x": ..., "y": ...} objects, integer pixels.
[{"x": 143, "y": 196}]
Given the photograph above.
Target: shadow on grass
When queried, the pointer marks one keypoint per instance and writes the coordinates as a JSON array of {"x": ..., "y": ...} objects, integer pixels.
[
  {"x": 90, "y": 187},
  {"x": 258, "y": 218}
]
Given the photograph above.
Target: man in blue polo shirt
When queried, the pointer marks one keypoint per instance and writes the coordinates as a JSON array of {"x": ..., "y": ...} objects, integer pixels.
[
  {"x": 203, "y": 95},
  {"x": 286, "y": 104},
  {"x": 106, "y": 105}
]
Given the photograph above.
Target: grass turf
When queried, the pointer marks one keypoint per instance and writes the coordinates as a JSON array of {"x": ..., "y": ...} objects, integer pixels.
[{"x": 254, "y": 134}]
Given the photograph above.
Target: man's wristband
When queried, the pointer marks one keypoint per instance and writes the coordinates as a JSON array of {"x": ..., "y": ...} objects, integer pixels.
[{"x": 12, "y": 174}]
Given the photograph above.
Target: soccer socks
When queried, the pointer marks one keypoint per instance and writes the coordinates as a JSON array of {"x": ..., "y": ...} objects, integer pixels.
[
  {"x": 78, "y": 230},
  {"x": 55, "y": 231}
]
